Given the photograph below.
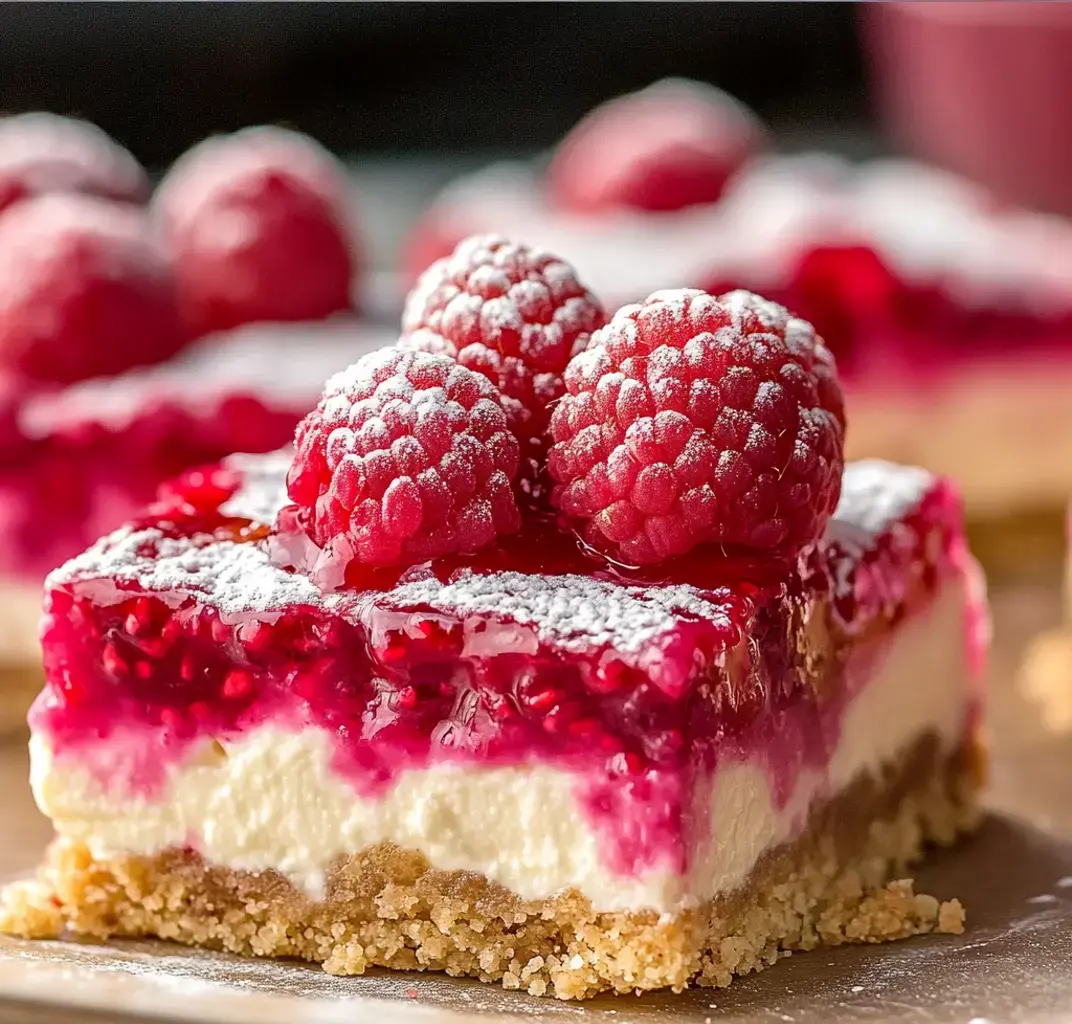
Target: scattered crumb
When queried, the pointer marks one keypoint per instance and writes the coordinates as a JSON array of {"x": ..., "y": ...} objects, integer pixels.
[
  {"x": 30, "y": 910},
  {"x": 951, "y": 918}
]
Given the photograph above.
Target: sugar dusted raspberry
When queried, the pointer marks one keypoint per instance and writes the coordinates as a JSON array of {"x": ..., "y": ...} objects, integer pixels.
[
  {"x": 260, "y": 226},
  {"x": 42, "y": 153},
  {"x": 84, "y": 290},
  {"x": 693, "y": 419},
  {"x": 510, "y": 312},
  {"x": 406, "y": 458},
  {"x": 672, "y": 145}
]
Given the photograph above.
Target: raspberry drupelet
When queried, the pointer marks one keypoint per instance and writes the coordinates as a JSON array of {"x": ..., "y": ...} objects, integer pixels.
[
  {"x": 510, "y": 312},
  {"x": 407, "y": 457},
  {"x": 694, "y": 419}
]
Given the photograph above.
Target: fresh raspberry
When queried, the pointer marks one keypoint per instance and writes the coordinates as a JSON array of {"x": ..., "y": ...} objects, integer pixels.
[
  {"x": 513, "y": 313},
  {"x": 406, "y": 458},
  {"x": 672, "y": 145},
  {"x": 42, "y": 153},
  {"x": 260, "y": 228},
  {"x": 84, "y": 290},
  {"x": 696, "y": 419}
]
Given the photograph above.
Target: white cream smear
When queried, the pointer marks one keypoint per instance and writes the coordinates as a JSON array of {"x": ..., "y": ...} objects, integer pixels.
[{"x": 272, "y": 800}]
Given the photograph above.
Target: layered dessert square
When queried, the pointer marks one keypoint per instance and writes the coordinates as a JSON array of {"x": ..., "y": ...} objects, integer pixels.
[
  {"x": 564, "y": 783},
  {"x": 381, "y": 701}
]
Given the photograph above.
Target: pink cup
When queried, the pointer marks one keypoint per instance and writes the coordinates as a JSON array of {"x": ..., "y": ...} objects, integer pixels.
[{"x": 983, "y": 88}]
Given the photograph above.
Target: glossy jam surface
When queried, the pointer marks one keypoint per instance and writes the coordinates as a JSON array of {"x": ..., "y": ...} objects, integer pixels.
[{"x": 182, "y": 627}]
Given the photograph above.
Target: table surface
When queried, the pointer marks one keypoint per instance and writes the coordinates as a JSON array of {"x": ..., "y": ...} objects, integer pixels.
[{"x": 1013, "y": 963}]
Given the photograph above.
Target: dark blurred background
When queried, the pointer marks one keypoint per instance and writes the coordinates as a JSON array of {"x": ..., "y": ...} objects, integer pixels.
[
  {"x": 388, "y": 77},
  {"x": 984, "y": 88}
]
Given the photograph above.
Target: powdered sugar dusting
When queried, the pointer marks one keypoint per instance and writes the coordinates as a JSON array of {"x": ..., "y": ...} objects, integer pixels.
[
  {"x": 770, "y": 314},
  {"x": 281, "y": 364},
  {"x": 62, "y": 154},
  {"x": 924, "y": 223},
  {"x": 496, "y": 272},
  {"x": 385, "y": 373},
  {"x": 566, "y": 612},
  {"x": 570, "y": 611},
  {"x": 875, "y": 494},
  {"x": 264, "y": 486},
  {"x": 234, "y": 578}
]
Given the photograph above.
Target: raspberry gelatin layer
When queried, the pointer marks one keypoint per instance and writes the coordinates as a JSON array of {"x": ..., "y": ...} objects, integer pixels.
[
  {"x": 79, "y": 462},
  {"x": 520, "y": 766}
]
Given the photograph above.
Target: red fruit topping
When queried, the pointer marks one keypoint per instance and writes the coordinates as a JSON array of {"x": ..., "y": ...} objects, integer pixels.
[
  {"x": 259, "y": 224},
  {"x": 672, "y": 145},
  {"x": 844, "y": 290},
  {"x": 697, "y": 419},
  {"x": 197, "y": 491},
  {"x": 510, "y": 312},
  {"x": 84, "y": 290},
  {"x": 42, "y": 153},
  {"x": 407, "y": 457}
]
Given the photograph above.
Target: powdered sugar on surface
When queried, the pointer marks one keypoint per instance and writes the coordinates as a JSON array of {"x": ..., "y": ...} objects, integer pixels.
[
  {"x": 770, "y": 314},
  {"x": 876, "y": 494},
  {"x": 235, "y": 578},
  {"x": 264, "y": 486},
  {"x": 419, "y": 378},
  {"x": 283, "y": 365},
  {"x": 503, "y": 283},
  {"x": 571, "y": 611},
  {"x": 565, "y": 612},
  {"x": 925, "y": 223},
  {"x": 54, "y": 153}
]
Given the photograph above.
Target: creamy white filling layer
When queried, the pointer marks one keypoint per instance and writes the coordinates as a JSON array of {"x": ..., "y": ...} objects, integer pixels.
[{"x": 271, "y": 800}]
